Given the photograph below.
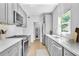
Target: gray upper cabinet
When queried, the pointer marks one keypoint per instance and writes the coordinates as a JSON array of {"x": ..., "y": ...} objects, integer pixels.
[
  {"x": 3, "y": 13},
  {"x": 14, "y": 6},
  {"x": 25, "y": 19},
  {"x": 10, "y": 9},
  {"x": 23, "y": 14},
  {"x": 10, "y": 13},
  {"x": 7, "y": 13}
]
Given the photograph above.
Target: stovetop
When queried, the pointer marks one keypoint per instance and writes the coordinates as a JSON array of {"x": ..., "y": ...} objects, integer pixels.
[{"x": 19, "y": 36}]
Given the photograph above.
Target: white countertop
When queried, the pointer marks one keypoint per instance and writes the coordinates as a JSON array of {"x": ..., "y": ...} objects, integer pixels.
[
  {"x": 66, "y": 43},
  {"x": 6, "y": 43}
]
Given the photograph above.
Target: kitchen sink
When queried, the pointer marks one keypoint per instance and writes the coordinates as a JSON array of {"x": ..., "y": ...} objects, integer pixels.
[{"x": 55, "y": 36}]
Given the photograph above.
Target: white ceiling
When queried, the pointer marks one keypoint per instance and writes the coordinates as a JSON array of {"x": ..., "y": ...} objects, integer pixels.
[{"x": 37, "y": 9}]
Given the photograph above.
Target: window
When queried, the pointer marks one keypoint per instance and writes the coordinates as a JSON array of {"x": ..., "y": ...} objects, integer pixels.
[{"x": 64, "y": 23}]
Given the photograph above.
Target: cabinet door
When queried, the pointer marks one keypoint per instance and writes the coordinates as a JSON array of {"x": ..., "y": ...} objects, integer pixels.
[
  {"x": 3, "y": 13},
  {"x": 4, "y": 53},
  {"x": 15, "y": 50},
  {"x": 24, "y": 19},
  {"x": 11, "y": 7},
  {"x": 12, "y": 51},
  {"x": 19, "y": 48},
  {"x": 9, "y": 13},
  {"x": 43, "y": 40},
  {"x": 14, "y": 6},
  {"x": 68, "y": 53},
  {"x": 56, "y": 50},
  {"x": 23, "y": 14},
  {"x": 49, "y": 45},
  {"x": 46, "y": 41}
]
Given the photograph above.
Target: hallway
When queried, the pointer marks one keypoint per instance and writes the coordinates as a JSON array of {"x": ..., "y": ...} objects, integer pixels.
[{"x": 37, "y": 49}]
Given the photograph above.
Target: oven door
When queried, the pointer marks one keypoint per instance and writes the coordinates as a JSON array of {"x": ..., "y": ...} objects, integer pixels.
[{"x": 24, "y": 47}]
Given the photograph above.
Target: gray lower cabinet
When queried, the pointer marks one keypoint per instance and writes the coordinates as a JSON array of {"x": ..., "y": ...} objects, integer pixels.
[
  {"x": 43, "y": 40},
  {"x": 46, "y": 41},
  {"x": 68, "y": 53},
  {"x": 49, "y": 46},
  {"x": 54, "y": 49},
  {"x": 4, "y": 53},
  {"x": 14, "y": 50}
]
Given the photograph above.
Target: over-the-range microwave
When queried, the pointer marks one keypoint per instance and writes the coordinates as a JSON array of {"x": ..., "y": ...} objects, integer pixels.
[{"x": 17, "y": 19}]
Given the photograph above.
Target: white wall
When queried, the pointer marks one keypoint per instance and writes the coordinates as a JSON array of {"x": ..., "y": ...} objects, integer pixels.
[
  {"x": 30, "y": 26},
  {"x": 37, "y": 25},
  {"x": 48, "y": 19},
  {"x": 41, "y": 22}
]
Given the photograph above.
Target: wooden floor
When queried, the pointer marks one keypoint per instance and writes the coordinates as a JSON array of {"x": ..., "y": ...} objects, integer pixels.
[{"x": 34, "y": 46}]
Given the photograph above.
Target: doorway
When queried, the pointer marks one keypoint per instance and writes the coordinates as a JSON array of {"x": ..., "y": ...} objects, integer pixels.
[{"x": 37, "y": 30}]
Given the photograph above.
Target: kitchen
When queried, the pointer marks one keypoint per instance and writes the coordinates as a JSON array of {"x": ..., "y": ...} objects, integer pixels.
[
  {"x": 24, "y": 28},
  {"x": 13, "y": 26}
]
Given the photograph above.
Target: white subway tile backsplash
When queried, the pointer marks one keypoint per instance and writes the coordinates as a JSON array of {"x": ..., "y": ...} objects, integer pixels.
[{"x": 11, "y": 30}]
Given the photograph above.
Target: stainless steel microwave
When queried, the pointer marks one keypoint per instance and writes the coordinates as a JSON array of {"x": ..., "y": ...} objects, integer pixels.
[{"x": 17, "y": 19}]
